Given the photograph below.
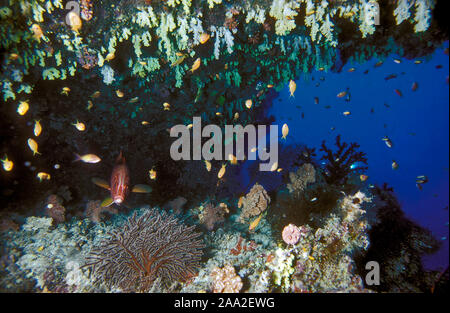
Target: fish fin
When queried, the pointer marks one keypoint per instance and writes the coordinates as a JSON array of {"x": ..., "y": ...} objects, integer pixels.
[
  {"x": 141, "y": 189},
  {"x": 77, "y": 157},
  {"x": 101, "y": 183},
  {"x": 107, "y": 202}
]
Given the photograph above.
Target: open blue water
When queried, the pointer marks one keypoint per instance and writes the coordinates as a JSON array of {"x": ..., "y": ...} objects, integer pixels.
[{"x": 417, "y": 123}]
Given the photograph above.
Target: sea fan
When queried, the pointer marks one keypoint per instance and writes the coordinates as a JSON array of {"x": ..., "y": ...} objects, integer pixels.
[{"x": 154, "y": 246}]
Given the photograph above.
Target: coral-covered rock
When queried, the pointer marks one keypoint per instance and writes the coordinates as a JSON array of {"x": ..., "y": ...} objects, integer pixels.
[
  {"x": 254, "y": 203},
  {"x": 55, "y": 209},
  {"x": 213, "y": 215},
  {"x": 306, "y": 174},
  {"x": 94, "y": 210},
  {"x": 291, "y": 234}
]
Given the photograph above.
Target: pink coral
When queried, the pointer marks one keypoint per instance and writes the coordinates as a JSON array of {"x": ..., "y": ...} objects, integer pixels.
[
  {"x": 291, "y": 234},
  {"x": 225, "y": 280}
]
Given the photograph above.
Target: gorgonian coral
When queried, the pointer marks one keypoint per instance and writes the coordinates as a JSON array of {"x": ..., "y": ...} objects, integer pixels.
[
  {"x": 154, "y": 246},
  {"x": 342, "y": 162}
]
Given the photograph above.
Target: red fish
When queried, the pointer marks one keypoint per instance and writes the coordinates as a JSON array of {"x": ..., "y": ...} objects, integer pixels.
[
  {"x": 119, "y": 184},
  {"x": 120, "y": 180},
  {"x": 414, "y": 86},
  {"x": 397, "y": 91}
]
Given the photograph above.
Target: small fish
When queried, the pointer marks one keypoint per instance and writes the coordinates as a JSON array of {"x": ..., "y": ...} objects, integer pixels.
[
  {"x": 443, "y": 238},
  {"x": 394, "y": 165},
  {"x": 89, "y": 105},
  {"x": 37, "y": 32},
  {"x": 292, "y": 87},
  {"x": 342, "y": 94},
  {"x": 366, "y": 72},
  {"x": 387, "y": 141},
  {"x": 33, "y": 146},
  {"x": 23, "y": 107},
  {"x": 152, "y": 174},
  {"x": 179, "y": 60},
  {"x": 314, "y": 199},
  {"x": 133, "y": 100},
  {"x": 232, "y": 159},
  {"x": 414, "y": 86},
  {"x": 87, "y": 158},
  {"x": 279, "y": 170},
  {"x": 417, "y": 62},
  {"x": 284, "y": 131},
  {"x": 321, "y": 69},
  {"x": 196, "y": 65},
  {"x": 166, "y": 106},
  {"x": 363, "y": 177},
  {"x": 221, "y": 171},
  {"x": 119, "y": 93},
  {"x": 248, "y": 104},
  {"x": 356, "y": 165},
  {"x": 378, "y": 64},
  {"x": 13, "y": 56},
  {"x": 208, "y": 165},
  {"x": 96, "y": 94},
  {"x": 42, "y": 175},
  {"x": 274, "y": 167},
  {"x": 316, "y": 100},
  {"x": 422, "y": 179},
  {"x": 347, "y": 113},
  {"x": 7, "y": 164},
  {"x": 236, "y": 116},
  {"x": 269, "y": 86},
  {"x": 80, "y": 126},
  {"x": 143, "y": 63},
  {"x": 189, "y": 126},
  {"x": 255, "y": 222},
  {"x": 65, "y": 91},
  {"x": 351, "y": 70},
  {"x": 37, "y": 128},
  {"x": 145, "y": 123},
  {"x": 253, "y": 149},
  {"x": 398, "y": 61},
  {"x": 398, "y": 92},
  {"x": 391, "y": 76},
  {"x": 240, "y": 202},
  {"x": 386, "y": 105},
  {"x": 219, "y": 113},
  {"x": 419, "y": 186},
  {"x": 204, "y": 37},
  {"x": 327, "y": 107}
]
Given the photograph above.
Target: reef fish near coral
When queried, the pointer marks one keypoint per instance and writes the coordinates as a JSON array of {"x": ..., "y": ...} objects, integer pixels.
[{"x": 119, "y": 183}]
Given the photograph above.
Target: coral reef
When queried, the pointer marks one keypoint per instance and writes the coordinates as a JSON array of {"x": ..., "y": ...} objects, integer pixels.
[
  {"x": 55, "y": 209},
  {"x": 212, "y": 215},
  {"x": 148, "y": 247},
  {"x": 254, "y": 203},
  {"x": 94, "y": 211}
]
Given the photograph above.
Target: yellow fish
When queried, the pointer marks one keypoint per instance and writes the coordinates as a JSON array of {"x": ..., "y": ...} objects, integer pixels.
[
  {"x": 143, "y": 63},
  {"x": 232, "y": 159},
  {"x": 249, "y": 103},
  {"x": 65, "y": 91},
  {"x": 292, "y": 87},
  {"x": 96, "y": 94},
  {"x": 80, "y": 126},
  {"x": 285, "y": 131},
  {"x": 87, "y": 158},
  {"x": 37, "y": 32},
  {"x": 236, "y": 115},
  {"x": 196, "y": 65},
  {"x": 42, "y": 176},
  {"x": 274, "y": 167},
  {"x": 208, "y": 165},
  {"x": 269, "y": 86},
  {"x": 13, "y": 56},
  {"x": 253, "y": 149},
  {"x": 363, "y": 177},
  {"x": 255, "y": 222},
  {"x": 189, "y": 126},
  {"x": 204, "y": 38},
  {"x": 119, "y": 93},
  {"x": 166, "y": 106},
  {"x": 90, "y": 105},
  {"x": 346, "y": 113},
  {"x": 7, "y": 164},
  {"x": 23, "y": 107},
  {"x": 221, "y": 171},
  {"x": 37, "y": 128},
  {"x": 145, "y": 123},
  {"x": 179, "y": 60},
  {"x": 33, "y": 146},
  {"x": 152, "y": 174},
  {"x": 240, "y": 202},
  {"x": 279, "y": 170}
]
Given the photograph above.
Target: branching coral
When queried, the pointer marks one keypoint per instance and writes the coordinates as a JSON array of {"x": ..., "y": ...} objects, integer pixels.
[
  {"x": 342, "y": 162},
  {"x": 154, "y": 245}
]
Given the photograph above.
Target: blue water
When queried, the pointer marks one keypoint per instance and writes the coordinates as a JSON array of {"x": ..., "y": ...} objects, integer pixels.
[{"x": 417, "y": 123}]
